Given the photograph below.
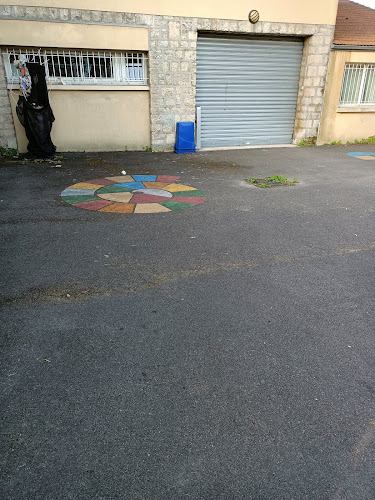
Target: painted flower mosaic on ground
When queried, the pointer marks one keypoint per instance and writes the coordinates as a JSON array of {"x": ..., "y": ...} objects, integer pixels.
[
  {"x": 363, "y": 155},
  {"x": 129, "y": 194}
]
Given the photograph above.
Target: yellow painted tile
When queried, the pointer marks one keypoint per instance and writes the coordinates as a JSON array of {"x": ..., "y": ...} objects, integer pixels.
[
  {"x": 178, "y": 187},
  {"x": 85, "y": 185},
  {"x": 155, "y": 185},
  {"x": 121, "y": 178},
  {"x": 366, "y": 157},
  {"x": 119, "y": 197},
  {"x": 119, "y": 208},
  {"x": 150, "y": 208}
]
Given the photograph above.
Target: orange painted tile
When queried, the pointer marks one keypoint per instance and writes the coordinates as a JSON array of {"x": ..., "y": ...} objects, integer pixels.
[
  {"x": 150, "y": 208},
  {"x": 121, "y": 178},
  {"x": 178, "y": 187},
  {"x": 155, "y": 185},
  {"x": 85, "y": 185},
  {"x": 118, "y": 197},
  {"x": 365, "y": 157},
  {"x": 119, "y": 208}
]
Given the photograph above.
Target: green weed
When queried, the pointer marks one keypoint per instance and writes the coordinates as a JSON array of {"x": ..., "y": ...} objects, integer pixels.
[
  {"x": 308, "y": 141},
  {"x": 333, "y": 143},
  {"x": 8, "y": 152}
]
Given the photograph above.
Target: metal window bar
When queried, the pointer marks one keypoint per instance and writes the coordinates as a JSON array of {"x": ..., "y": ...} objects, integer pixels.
[
  {"x": 70, "y": 67},
  {"x": 358, "y": 85}
]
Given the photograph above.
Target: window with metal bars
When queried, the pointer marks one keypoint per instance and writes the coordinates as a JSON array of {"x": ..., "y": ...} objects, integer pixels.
[
  {"x": 74, "y": 67},
  {"x": 358, "y": 85}
]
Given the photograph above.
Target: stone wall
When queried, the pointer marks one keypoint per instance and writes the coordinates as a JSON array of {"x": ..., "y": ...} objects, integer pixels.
[
  {"x": 172, "y": 61},
  {"x": 7, "y": 132}
]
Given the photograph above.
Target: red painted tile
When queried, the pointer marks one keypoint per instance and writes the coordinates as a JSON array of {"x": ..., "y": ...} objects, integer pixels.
[
  {"x": 148, "y": 198},
  {"x": 194, "y": 200},
  {"x": 166, "y": 178},
  {"x": 103, "y": 182},
  {"x": 93, "y": 205}
]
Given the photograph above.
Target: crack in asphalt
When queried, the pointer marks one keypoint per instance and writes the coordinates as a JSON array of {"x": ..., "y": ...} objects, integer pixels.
[{"x": 67, "y": 293}]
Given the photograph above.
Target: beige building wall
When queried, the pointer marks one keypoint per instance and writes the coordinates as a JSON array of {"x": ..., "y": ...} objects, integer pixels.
[
  {"x": 96, "y": 120},
  {"x": 168, "y": 31},
  {"x": 68, "y": 35},
  {"x": 344, "y": 123},
  {"x": 286, "y": 11}
]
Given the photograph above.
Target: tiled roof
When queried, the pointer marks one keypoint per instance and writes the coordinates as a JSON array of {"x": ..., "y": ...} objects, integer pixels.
[{"x": 355, "y": 24}]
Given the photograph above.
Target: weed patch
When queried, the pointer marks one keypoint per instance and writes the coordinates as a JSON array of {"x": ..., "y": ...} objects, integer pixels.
[
  {"x": 272, "y": 181},
  {"x": 308, "y": 141}
]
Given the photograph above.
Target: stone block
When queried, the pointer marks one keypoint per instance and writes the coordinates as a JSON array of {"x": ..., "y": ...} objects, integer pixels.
[
  {"x": 5, "y": 10},
  {"x": 63, "y": 14},
  {"x": 86, "y": 15},
  {"x": 108, "y": 17},
  {"x": 31, "y": 12},
  {"x": 18, "y": 11},
  {"x": 315, "y": 59},
  {"x": 174, "y": 29},
  {"x": 117, "y": 17},
  {"x": 75, "y": 14},
  {"x": 53, "y": 13},
  {"x": 96, "y": 16}
]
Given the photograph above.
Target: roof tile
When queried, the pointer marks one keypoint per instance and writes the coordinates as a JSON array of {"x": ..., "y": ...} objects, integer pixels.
[{"x": 355, "y": 24}]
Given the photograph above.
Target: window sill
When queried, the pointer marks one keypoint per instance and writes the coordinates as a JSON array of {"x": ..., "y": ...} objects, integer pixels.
[
  {"x": 88, "y": 87},
  {"x": 356, "y": 109}
]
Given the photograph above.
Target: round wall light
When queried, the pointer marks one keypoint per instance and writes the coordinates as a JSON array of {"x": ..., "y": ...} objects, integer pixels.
[{"x": 253, "y": 16}]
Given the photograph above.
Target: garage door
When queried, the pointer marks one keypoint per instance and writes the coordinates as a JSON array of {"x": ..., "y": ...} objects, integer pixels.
[{"x": 247, "y": 90}]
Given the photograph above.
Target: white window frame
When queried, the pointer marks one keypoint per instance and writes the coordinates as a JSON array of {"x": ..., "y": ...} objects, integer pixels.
[
  {"x": 81, "y": 67},
  {"x": 354, "y": 85}
]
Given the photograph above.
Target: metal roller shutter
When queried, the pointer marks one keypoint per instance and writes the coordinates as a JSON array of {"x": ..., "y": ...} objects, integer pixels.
[{"x": 247, "y": 90}]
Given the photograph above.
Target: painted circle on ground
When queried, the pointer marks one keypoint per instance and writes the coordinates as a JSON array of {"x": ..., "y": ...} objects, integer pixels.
[
  {"x": 363, "y": 156},
  {"x": 128, "y": 194}
]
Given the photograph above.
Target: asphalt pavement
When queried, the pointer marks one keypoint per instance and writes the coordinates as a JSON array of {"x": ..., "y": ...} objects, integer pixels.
[{"x": 224, "y": 351}]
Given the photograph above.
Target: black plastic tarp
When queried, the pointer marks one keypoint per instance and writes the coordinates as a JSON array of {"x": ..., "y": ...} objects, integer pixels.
[{"x": 36, "y": 115}]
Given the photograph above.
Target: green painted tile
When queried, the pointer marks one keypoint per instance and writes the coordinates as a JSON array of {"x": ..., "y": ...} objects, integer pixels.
[
  {"x": 189, "y": 193},
  {"x": 175, "y": 205},
  {"x": 79, "y": 199},
  {"x": 114, "y": 189}
]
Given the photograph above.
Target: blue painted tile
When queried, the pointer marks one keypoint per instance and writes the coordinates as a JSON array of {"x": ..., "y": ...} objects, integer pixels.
[
  {"x": 359, "y": 154},
  {"x": 77, "y": 192},
  {"x": 131, "y": 185},
  {"x": 141, "y": 178}
]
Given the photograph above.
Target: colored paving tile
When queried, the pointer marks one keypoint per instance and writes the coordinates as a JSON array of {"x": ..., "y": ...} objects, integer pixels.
[
  {"x": 371, "y": 153},
  {"x": 150, "y": 208},
  {"x": 139, "y": 194},
  {"x": 101, "y": 182},
  {"x": 155, "y": 192},
  {"x": 189, "y": 193},
  {"x": 114, "y": 189},
  {"x": 166, "y": 178},
  {"x": 148, "y": 198},
  {"x": 131, "y": 185},
  {"x": 85, "y": 185},
  {"x": 178, "y": 187},
  {"x": 191, "y": 199},
  {"x": 78, "y": 199},
  {"x": 142, "y": 178},
  {"x": 175, "y": 205},
  {"x": 121, "y": 178},
  {"x": 93, "y": 205},
  {"x": 118, "y": 197},
  {"x": 77, "y": 192},
  {"x": 155, "y": 185},
  {"x": 119, "y": 208}
]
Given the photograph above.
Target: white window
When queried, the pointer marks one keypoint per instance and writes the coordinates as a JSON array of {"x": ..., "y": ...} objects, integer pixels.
[
  {"x": 75, "y": 67},
  {"x": 358, "y": 85}
]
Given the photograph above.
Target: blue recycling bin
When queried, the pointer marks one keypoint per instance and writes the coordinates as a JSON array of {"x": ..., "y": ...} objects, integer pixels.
[{"x": 185, "y": 142}]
